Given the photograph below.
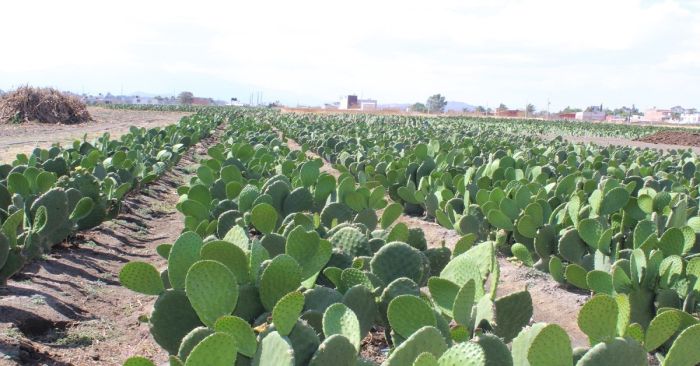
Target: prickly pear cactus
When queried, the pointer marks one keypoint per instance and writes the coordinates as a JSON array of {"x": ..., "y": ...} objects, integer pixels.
[
  {"x": 282, "y": 276},
  {"x": 172, "y": 319},
  {"x": 407, "y": 314},
  {"x": 395, "y": 260},
  {"x": 427, "y": 339},
  {"x": 335, "y": 350},
  {"x": 542, "y": 344},
  {"x": 212, "y": 290},
  {"x": 339, "y": 319},
  {"x": 141, "y": 277}
]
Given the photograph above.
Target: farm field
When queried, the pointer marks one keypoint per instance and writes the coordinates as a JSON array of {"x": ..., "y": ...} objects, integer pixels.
[
  {"x": 250, "y": 236},
  {"x": 18, "y": 139}
]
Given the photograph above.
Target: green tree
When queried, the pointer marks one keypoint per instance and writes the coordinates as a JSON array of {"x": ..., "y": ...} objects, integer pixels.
[
  {"x": 418, "y": 107},
  {"x": 436, "y": 103},
  {"x": 502, "y": 107},
  {"x": 480, "y": 109},
  {"x": 185, "y": 97}
]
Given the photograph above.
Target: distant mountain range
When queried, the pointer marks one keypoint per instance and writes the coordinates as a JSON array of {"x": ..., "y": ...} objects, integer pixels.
[{"x": 451, "y": 106}]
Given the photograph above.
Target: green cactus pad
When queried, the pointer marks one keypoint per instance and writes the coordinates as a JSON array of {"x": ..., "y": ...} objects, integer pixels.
[
  {"x": 309, "y": 251},
  {"x": 212, "y": 289},
  {"x": 407, "y": 314},
  {"x": 576, "y": 275},
  {"x": 497, "y": 353},
  {"x": 463, "y": 354},
  {"x": 500, "y": 220},
  {"x": 523, "y": 254},
  {"x": 274, "y": 350},
  {"x": 241, "y": 332},
  {"x": 443, "y": 293},
  {"x": 598, "y": 318},
  {"x": 571, "y": 247},
  {"x": 337, "y": 212},
  {"x": 615, "y": 352},
  {"x": 282, "y": 276},
  {"x": 614, "y": 200},
  {"x": 395, "y": 260},
  {"x": 513, "y": 312},
  {"x": 600, "y": 282},
  {"x": 138, "y": 361},
  {"x": 264, "y": 218},
  {"x": 184, "y": 253},
  {"x": 390, "y": 214},
  {"x": 172, "y": 318},
  {"x": 287, "y": 311},
  {"x": 361, "y": 301},
  {"x": 427, "y": 339},
  {"x": 191, "y": 340},
  {"x": 351, "y": 241},
  {"x": 237, "y": 235},
  {"x": 335, "y": 350},
  {"x": 340, "y": 319},
  {"x": 542, "y": 344},
  {"x": 685, "y": 351},
  {"x": 230, "y": 255},
  {"x": 463, "y": 268},
  {"x": 320, "y": 298},
  {"x": 425, "y": 359},
  {"x": 463, "y": 304},
  {"x": 140, "y": 277}
]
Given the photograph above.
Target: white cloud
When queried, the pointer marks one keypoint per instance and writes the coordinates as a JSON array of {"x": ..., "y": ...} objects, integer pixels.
[{"x": 511, "y": 51}]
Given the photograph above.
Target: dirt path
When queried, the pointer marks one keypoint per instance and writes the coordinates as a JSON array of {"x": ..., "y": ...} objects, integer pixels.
[
  {"x": 23, "y": 138},
  {"x": 552, "y": 303},
  {"x": 618, "y": 141},
  {"x": 69, "y": 309}
]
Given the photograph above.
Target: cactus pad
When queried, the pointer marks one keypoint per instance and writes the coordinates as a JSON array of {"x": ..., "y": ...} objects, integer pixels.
[
  {"x": 212, "y": 290},
  {"x": 395, "y": 260},
  {"x": 335, "y": 350},
  {"x": 598, "y": 318},
  {"x": 140, "y": 277},
  {"x": 282, "y": 276},
  {"x": 407, "y": 314},
  {"x": 340, "y": 319},
  {"x": 287, "y": 311},
  {"x": 241, "y": 332}
]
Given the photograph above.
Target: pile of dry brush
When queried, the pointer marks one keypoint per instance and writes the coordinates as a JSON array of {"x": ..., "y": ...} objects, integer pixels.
[{"x": 45, "y": 105}]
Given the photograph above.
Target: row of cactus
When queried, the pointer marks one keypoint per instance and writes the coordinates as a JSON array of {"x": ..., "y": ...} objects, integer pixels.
[
  {"x": 51, "y": 193},
  {"x": 266, "y": 286},
  {"x": 585, "y": 214}
]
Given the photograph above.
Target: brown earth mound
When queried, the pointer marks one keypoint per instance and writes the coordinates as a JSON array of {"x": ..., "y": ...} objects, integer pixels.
[
  {"x": 45, "y": 105},
  {"x": 683, "y": 138}
]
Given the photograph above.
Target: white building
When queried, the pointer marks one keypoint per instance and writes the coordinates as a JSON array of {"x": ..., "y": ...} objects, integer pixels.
[
  {"x": 690, "y": 118},
  {"x": 595, "y": 115},
  {"x": 367, "y": 104}
]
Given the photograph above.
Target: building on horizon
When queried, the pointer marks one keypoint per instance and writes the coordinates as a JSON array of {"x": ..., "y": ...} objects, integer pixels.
[
  {"x": 592, "y": 113},
  {"x": 658, "y": 115}
]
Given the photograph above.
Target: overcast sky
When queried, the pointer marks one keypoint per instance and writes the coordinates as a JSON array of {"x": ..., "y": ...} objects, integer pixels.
[{"x": 578, "y": 53}]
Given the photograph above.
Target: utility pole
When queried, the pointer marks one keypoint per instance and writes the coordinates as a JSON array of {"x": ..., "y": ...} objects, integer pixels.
[{"x": 548, "y": 103}]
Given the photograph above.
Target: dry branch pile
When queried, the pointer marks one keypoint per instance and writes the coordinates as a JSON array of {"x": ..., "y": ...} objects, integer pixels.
[{"x": 45, "y": 105}]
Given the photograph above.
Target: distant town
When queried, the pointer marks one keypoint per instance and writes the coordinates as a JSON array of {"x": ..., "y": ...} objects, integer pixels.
[{"x": 595, "y": 113}]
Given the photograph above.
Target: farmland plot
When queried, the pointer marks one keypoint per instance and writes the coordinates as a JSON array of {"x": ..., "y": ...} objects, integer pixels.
[{"x": 282, "y": 263}]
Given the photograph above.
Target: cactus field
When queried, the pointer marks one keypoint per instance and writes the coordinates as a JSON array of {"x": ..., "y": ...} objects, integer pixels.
[{"x": 350, "y": 239}]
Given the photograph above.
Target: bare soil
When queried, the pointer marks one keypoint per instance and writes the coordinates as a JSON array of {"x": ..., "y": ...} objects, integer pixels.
[
  {"x": 618, "y": 141},
  {"x": 23, "y": 138},
  {"x": 685, "y": 138},
  {"x": 552, "y": 303},
  {"x": 69, "y": 308}
]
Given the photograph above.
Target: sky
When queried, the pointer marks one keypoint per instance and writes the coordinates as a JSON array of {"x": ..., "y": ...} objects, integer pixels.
[{"x": 570, "y": 53}]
